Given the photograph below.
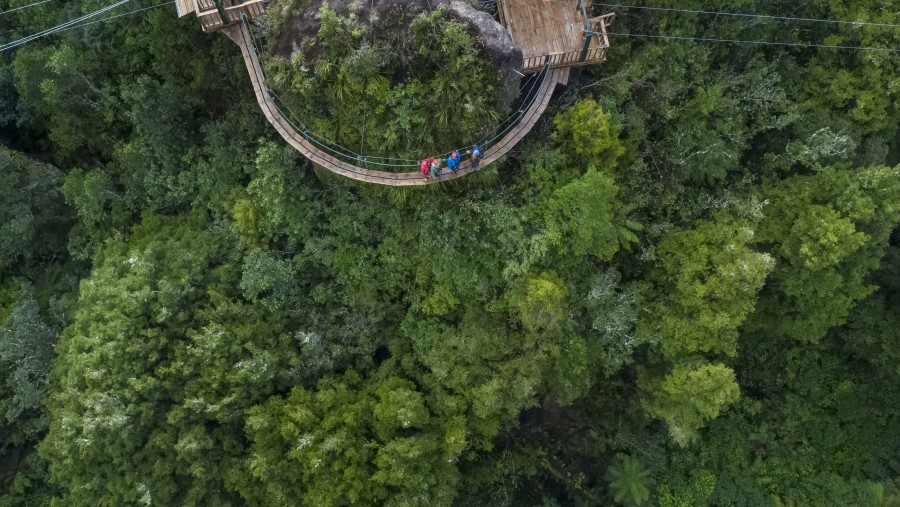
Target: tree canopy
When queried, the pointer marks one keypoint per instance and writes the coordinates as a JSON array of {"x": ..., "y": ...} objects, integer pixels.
[{"x": 681, "y": 289}]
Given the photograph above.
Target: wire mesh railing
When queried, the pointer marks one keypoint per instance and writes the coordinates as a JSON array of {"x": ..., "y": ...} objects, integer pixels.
[{"x": 375, "y": 161}]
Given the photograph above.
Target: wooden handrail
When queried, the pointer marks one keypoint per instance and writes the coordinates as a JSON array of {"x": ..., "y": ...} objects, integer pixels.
[
  {"x": 600, "y": 24},
  {"x": 608, "y": 18},
  {"x": 536, "y": 62},
  {"x": 247, "y": 3}
]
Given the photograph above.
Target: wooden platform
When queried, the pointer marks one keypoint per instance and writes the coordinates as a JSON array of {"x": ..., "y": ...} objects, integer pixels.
[
  {"x": 554, "y": 30},
  {"x": 184, "y": 7},
  {"x": 241, "y": 36},
  {"x": 216, "y": 14}
]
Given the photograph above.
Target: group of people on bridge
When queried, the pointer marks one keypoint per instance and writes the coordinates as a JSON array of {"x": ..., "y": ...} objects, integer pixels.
[{"x": 432, "y": 166}]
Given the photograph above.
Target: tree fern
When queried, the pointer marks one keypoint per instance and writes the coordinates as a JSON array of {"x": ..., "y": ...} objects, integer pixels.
[{"x": 629, "y": 482}]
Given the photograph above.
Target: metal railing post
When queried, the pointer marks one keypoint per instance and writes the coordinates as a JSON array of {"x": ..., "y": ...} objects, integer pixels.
[
  {"x": 587, "y": 32},
  {"x": 222, "y": 13}
]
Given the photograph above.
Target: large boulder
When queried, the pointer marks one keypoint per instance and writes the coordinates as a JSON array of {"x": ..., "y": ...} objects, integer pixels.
[{"x": 497, "y": 43}]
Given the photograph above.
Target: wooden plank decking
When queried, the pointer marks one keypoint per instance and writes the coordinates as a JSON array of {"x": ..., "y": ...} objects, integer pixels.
[
  {"x": 213, "y": 18},
  {"x": 184, "y": 7},
  {"x": 541, "y": 27},
  {"x": 241, "y": 36},
  {"x": 554, "y": 30}
]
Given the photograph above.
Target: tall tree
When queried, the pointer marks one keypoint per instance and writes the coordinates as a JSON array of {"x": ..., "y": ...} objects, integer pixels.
[
  {"x": 827, "y": 233},
  {"x": 707, "y": 285},
  {"x": 155, "y": 372},
  {"x": 26, "y": 354},
  {"x": 690, "y": 395}
]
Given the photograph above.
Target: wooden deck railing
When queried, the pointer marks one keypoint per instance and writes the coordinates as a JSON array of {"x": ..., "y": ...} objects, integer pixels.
[
  {"x": 565, "y": 59},
  {"x": 205, "y": 5},
  {"x": 600, "y": 25},
  {"x": 250, "y": 8},
  {"x": 596, "y": 52}
]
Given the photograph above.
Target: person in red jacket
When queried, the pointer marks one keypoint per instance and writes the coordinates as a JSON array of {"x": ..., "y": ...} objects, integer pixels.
[{"x": 430, "y": 166}]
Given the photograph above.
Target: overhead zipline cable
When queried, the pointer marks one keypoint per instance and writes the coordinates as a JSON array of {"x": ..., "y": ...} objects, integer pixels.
[
  {"x": 731, "y": 41},
  {"x": 756, "y": 42},
  {"x": 24, "y": 7},
  {"x": 119, "y": 15},
  {"x": 60, "y": 27},
  {"x": 746, "y": 15}
]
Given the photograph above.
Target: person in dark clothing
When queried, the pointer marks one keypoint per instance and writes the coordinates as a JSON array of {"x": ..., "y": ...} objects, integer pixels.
[{"x": 477, "y": 157}]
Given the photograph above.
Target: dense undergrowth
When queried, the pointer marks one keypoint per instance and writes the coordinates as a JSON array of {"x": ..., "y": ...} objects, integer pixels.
[{"x": 404, "y": 84}]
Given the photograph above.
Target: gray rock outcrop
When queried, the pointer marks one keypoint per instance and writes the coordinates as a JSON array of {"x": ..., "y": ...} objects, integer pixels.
[
  {"x": 499, "y": 46},
  {"x": 497, "y": 42}
]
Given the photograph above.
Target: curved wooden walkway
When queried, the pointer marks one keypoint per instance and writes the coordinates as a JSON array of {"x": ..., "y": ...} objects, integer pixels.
[{"x": 241, "y": 36}]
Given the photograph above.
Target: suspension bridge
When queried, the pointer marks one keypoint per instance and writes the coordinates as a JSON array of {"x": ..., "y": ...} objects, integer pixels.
[
  {"x": 554, "y": 35},
  {"x": 549, "y": 50}
]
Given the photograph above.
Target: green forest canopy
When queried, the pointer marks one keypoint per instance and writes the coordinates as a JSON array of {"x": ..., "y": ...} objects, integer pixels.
[{"x": 681, "y": 289}]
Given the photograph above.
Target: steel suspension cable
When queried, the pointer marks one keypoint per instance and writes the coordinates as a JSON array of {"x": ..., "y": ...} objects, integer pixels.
[
  {"x": 754, "y": 42},
  {"x": 746, "y": 15},
  {"x": 545, "y": 71},
  {"x": 305, "y": 130},
  {"x": 348, "y": 153},
  {"x": 24, "y": 7},
  {"x": 731, "y": 41},
  {"x": 60, "y": 27},
  {"x": 120, "y": 15}
]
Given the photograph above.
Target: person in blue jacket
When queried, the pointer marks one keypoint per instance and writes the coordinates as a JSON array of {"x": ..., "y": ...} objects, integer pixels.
[{"x": 453, "y": 161}]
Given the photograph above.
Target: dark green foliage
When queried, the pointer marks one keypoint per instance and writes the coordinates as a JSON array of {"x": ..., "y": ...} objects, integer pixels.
[
  {"x": 33, "y": 219},
  {"x": 827, "y": 232},
  {"x": 28, "y": 485},
  {"x": 271, "y": 281},
  {"x": 404, "y": 84},
  {"x": 629, "y": 481},
  {"x": 26, "y": 353},
  {"x": 580, "y": 217},
  {"x": 682, "y": 289},
  {"x": 164, "y": 420}
]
